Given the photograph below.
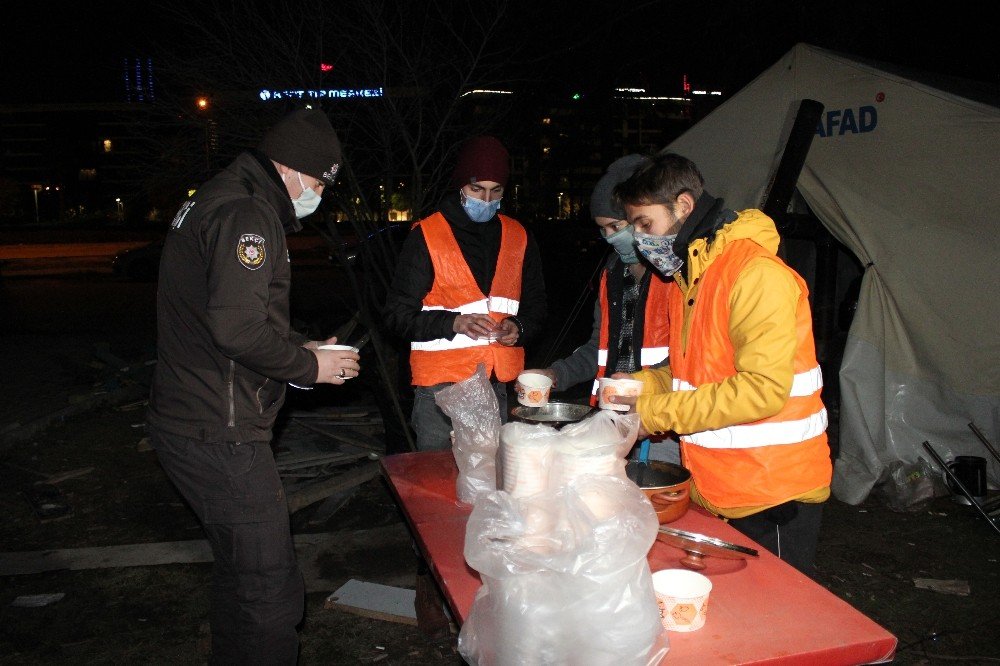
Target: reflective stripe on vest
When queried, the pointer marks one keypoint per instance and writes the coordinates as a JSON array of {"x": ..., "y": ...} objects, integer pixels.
[
  {"x": 803, "y": 383},
  {"x": 655, "y": 327},
  {"x": 763, "y": 434},
  {"x": 647, "y": 356},
  {"x": 500, "y": 304},
  {"x": 507, "y": 306},
  {"x": 769, "y": 433}
]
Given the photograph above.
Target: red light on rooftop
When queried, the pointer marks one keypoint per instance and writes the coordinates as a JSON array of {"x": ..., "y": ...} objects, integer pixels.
[{"x": 323, "y": 67}]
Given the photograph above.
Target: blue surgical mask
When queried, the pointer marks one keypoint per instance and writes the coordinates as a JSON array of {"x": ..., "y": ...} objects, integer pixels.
[
  {"x": 659, "y": 251},
  {"x": 477, "y": 209},
  {"x": 307, "y": 202},
  {"x": 624, "y": 244}
]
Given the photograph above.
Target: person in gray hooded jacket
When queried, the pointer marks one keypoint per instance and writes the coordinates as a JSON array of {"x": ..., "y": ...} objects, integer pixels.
[
  {"x": 630, "y": 318},
  {"x": 225, "y": 352}
]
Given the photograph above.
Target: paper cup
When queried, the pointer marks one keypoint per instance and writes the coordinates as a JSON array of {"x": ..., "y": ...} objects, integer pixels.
[
  {"x": 607, "y": 387},
  {"x": 569, "y": 467},
  {"x": 338, "y": 348},
  {"x": 533, "y": 389},
  {"x": 525, "y": 469},
  {"x": 682, "y": 596}
]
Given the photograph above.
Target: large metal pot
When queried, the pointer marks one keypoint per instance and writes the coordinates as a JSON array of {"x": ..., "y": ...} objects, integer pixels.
[{"x": 668, "y": 486}]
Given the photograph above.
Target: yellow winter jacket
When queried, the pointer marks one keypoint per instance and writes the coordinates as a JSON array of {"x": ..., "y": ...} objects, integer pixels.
[{"x": 762, "y": 330}]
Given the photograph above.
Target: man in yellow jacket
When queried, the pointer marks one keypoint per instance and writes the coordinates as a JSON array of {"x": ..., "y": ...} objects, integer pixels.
[{"x": 743, "y": 386}]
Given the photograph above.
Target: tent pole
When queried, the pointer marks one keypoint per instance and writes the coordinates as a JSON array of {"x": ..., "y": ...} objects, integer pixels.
[
  {"x": 824, "y": 293},
  {"x": 775, "y": 205},
  {"x": 792, "y": 159}
]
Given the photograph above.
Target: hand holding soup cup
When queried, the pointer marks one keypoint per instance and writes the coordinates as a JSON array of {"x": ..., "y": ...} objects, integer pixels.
[
  {"x": 618, "y": 392},
  {"x": 336, "y": 363},
  {"x": 533, "y": 388}
]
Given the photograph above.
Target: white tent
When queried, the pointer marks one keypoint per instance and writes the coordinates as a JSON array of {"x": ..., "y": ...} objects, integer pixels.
[{"x": 904, "y": 175}]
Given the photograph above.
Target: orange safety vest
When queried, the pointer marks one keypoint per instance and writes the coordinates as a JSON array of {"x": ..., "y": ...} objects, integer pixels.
[
  {"x": 765, "y": 462},
  {"x": 454, "y": 288},
  {"x": 655, "y": 326}
]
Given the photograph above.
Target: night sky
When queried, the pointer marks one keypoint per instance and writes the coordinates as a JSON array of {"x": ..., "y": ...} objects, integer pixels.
[{"x": 72, "y": 52}]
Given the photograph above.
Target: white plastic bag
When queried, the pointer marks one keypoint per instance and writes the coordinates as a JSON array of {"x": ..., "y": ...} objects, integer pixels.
[
  {"x": 604, "y": 432},
  {"x": 910, "y": 486},
  {"x": 475, "y": 418},
  {"x": 595, "y": 445},
  {"x": 565, "y": 578}
]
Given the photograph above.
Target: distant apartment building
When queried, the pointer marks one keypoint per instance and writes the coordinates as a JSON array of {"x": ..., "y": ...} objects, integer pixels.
[
  {"x": 563, "y": 141},
  {"x": 68, "y": 161}
]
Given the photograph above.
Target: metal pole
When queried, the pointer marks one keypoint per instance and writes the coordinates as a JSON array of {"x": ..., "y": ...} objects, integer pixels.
[
  {"x": 368, "y": 321},
  {"x": 965, "y": 491},
  {"x": 986, "y": 442},
  {"x": 793, "y": 158}
]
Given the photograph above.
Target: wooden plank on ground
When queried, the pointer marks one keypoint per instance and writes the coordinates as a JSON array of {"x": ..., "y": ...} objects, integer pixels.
[
  {"x": 382, "y": 602},
  {"x": 103, "y": 557},
  {"x": 299, "y": 460},
  {"x": 314, "y": 492},
  {"x": 347, "y": 436},
  {"x": 72, "y": 474},
  {"x": 181, "y": 552}
]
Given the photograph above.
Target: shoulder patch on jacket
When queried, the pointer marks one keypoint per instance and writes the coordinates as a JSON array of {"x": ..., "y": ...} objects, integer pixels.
[
  {"x": 250, "y": 251},
  {"x": 181, "y": 214}
]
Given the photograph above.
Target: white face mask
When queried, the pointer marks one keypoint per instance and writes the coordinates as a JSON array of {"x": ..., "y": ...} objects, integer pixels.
[{"x": 307, "y": 202}]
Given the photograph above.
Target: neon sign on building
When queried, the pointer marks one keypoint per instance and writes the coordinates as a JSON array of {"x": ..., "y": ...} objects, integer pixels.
[{"x": 272, "y": 95}]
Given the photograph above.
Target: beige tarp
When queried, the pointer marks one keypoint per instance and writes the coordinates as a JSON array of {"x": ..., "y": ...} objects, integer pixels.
[{"x": 904, "y": 175}]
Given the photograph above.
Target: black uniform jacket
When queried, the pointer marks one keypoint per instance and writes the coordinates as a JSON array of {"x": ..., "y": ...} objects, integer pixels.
[
  {"x": 480, "y": 245},
  {"x": 224, "y": 346}
]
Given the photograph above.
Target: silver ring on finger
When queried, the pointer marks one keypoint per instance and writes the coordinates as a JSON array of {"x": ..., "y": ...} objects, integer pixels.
[{"x": 343, "y": 373}]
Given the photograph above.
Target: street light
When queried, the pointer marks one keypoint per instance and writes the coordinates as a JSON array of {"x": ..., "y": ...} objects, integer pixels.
[
  {"x": 120, "y": 208},
  {"x": 36, "y": 189},
  {"x": 202, "y": 103}
]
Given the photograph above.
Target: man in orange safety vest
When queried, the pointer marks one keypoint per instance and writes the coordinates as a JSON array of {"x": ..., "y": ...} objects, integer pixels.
[
  {"x": 468, "y": 290},
  {"x": 743, "y": 386}
]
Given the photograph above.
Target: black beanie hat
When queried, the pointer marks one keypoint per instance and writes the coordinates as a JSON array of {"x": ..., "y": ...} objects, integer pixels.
[
  {"x": 305, "y": 141},
  {"x": 602, "y": 201},
  {"x": 481, "y": 158}
]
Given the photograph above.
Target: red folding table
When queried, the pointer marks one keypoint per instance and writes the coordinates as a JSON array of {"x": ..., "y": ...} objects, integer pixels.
[{"x": 763, "y": 611}]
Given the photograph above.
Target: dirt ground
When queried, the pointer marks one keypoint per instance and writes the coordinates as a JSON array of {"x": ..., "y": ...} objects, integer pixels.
[{"x": 868, "y": 555}]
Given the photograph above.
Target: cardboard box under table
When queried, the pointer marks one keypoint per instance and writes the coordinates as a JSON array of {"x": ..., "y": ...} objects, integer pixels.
[{"x": 762, "y": 610}]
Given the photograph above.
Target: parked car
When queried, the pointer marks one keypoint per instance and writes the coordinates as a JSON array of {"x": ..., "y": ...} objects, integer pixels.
[{"x": 139, "y": 263}]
